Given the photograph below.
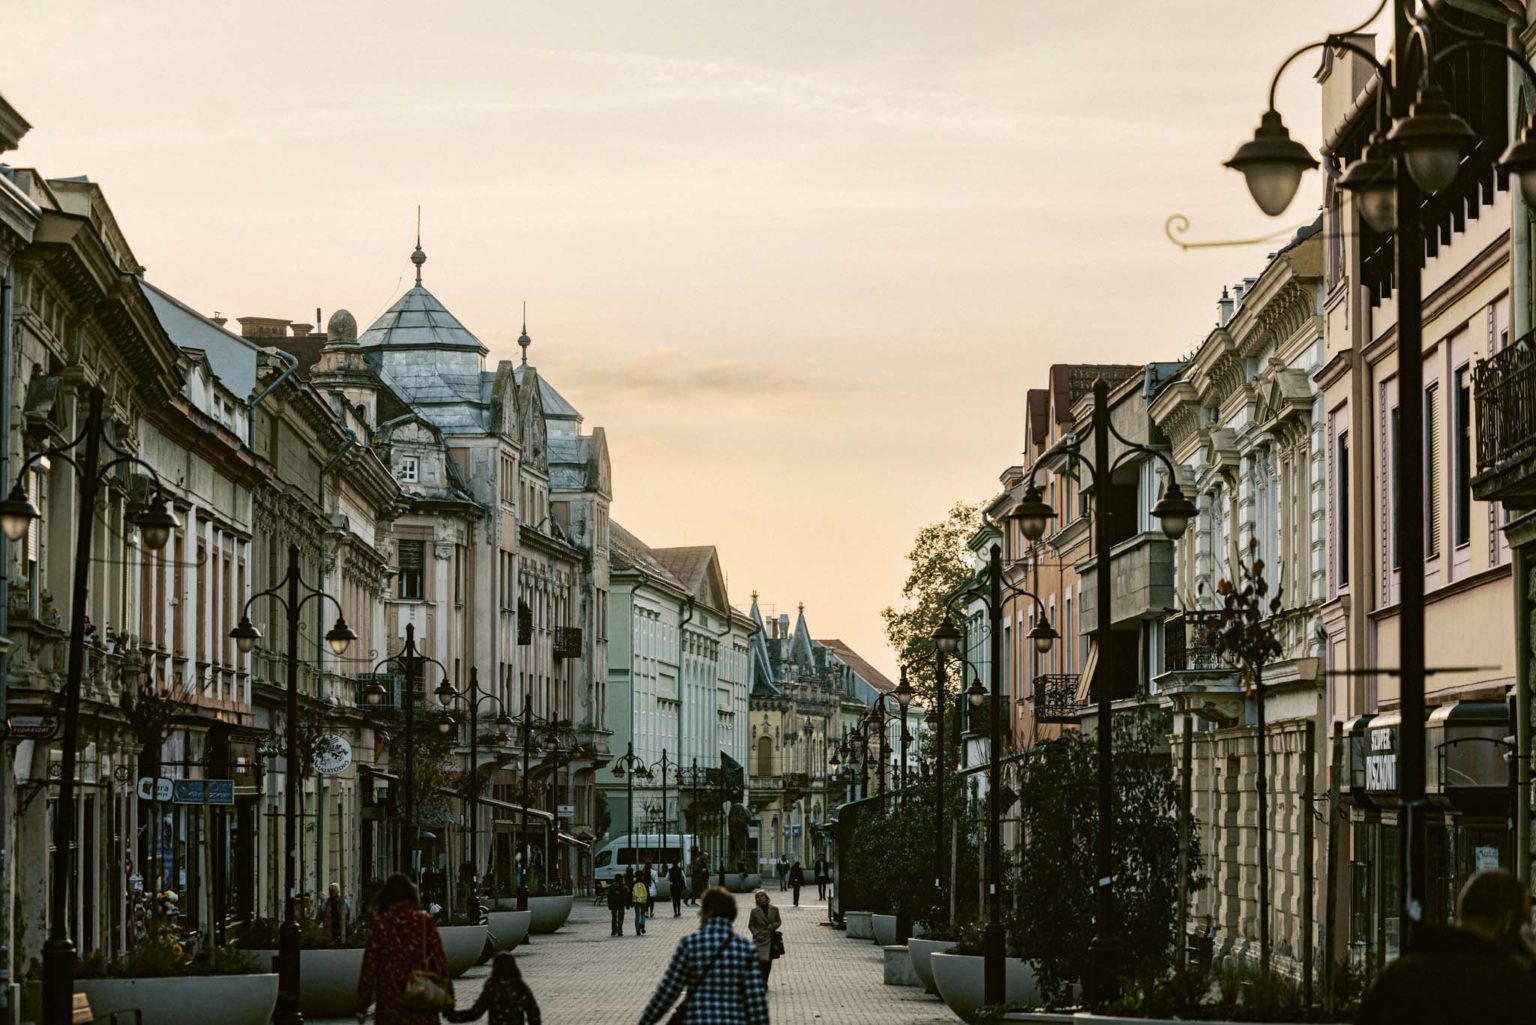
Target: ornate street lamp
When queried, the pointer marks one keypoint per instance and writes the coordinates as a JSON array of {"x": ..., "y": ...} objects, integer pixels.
[{"x": 473, "y": 698}]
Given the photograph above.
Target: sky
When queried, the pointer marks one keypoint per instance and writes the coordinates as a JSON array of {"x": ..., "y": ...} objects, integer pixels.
[{"x": 801, "y": 260}]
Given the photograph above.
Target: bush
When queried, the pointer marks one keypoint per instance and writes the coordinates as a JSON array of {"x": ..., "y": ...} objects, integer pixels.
[
  {"x": 265, "y": 934},
  {"x": 162, "y": 954}
]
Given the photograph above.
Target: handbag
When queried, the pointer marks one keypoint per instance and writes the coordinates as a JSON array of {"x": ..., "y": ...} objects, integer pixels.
[
  {"x": 679, "y": 1015},
  {"x": 426, "y": 990},
  {"x": 775, "y": 945}
]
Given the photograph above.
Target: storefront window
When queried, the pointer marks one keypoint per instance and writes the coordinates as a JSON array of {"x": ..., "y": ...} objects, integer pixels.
[{"x": 1391, "y": 895}]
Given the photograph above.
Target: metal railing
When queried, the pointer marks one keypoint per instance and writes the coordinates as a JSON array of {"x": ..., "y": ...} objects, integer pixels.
[
  {"x": 1505, "y": 389},
  {"x": 1056, "y": 697},
  {"x": 1185, "y": 650}
]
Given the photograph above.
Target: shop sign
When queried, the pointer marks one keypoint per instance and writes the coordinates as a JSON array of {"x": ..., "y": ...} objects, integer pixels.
[
  {"x": 1381, "y": 761},
  {"x": 333, "y": 755},
  {"x": 190, "y": 791},
  {"x": 152, "y": 789},
  {"x": 43, "y": 727},
  {"x": 566, "y": 811}
]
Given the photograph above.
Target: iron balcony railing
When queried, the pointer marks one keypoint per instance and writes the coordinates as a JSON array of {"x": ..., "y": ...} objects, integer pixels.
[
  {"x": 1056, "y": 697},
  {"x": 1185, "y": 648},
  {"x": 1505, "y": 388}
]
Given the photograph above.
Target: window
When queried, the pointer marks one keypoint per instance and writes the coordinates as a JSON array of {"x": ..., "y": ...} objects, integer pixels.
[
  {"x": 1461, "y": 529},
  {"x": 1393, "y": 457},
  {"x": 1433, "y": 479},
  {"x": 1342, "y": 532},
  {"x": 412, "y": 558},
  {"x": 409, "y": 471}
]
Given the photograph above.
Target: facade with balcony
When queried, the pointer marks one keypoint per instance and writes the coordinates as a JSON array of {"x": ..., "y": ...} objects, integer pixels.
[{"x": 1244, "y": 420}]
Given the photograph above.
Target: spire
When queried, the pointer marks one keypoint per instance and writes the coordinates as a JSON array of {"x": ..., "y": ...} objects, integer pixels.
[
  {"x": 418, "y": 257},
  {"x": 523, "y": 339}
]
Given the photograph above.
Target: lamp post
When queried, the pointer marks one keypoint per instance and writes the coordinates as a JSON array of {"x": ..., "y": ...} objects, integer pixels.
[
  {"x": 292, "y": 594},
  {"x": 663, "y": 765},
  {"x": 17, "y": 514},
  {"x": 692, "y": 775},
  {"x": 1173, "y": 511},
  {"x": 904, "y": 695},
  {"x": 989, "y": 589},
  {"x": 409, "y": 660},
  {"x": 473, "y": 697},
  {"x": 1419, "y": 154},
  {"x": 529, "y": 725},
  {"x": 626, "y": 767}
]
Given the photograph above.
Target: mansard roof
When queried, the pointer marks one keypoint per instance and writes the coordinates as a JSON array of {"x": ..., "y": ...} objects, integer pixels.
[{"x": 419, "y": 321}]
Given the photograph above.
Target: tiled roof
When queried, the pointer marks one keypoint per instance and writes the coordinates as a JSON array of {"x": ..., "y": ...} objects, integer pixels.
[
  {"x": 419, "y": 321},
  {"x": 872, "y": 676},
  {"x": 555, "y": 406},
  {"x": 629, "y": 552},
  {"x": 687, "y": 564}
]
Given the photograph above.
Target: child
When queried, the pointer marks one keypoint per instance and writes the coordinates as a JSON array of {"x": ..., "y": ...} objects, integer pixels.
[
  {"x": 506, "y": 996},
  {"x": 639, "y": 897}
]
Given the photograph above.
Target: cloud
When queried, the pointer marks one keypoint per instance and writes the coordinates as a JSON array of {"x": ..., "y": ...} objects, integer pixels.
[{"x": 670, "y": 373}]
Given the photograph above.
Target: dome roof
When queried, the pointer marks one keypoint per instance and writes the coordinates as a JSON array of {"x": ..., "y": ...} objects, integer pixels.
[
  {"x": 342, "y": 327},
  {"x": 419, "y": 321}
]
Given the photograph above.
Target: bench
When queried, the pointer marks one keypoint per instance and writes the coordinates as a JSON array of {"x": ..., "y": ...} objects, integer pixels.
[{"x": 81, "y": 1014}]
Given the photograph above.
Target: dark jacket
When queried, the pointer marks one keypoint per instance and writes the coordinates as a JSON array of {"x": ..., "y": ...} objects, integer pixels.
[
  {"x": 618, "y": 893},
  {"x": 509, "y": 1003},
  {"x": 1450, "y": 975},
  {"x": 796, "y": 876},
  {"x": 676, "y": 880}
]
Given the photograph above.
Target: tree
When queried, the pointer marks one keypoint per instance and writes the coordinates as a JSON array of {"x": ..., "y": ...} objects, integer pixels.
[
  {"x": 1240, "y": 631},
  {"x": 940, "y": 562},
  {"x": 1054, "y": 878}
]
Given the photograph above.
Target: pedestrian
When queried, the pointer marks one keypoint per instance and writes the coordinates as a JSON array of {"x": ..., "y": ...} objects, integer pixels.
[
  {"x": 821, "y": 878},
  {"x": 782, "y": 871},
  {"x": 649, "y": 879},
  {"x": 677, "y": 884},
  {"x": 618, "y": 901},
  {"x": 764, "y": 924},
  {"x": 639, "y": 897},
  {"x": 335, "y": 914},
  {"x": 506, "y": 997},
  {"x": 741, "y": 870},
  {"x": 717, "y": 969},
  {"x": 402, "y": 940},
  {"x": 1477, "y": 970},
  {"x": 796, "y": 880},
  {"x": 700, "y": 879}
]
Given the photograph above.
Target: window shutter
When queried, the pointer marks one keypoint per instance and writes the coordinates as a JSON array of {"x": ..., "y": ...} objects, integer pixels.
[{"x": 1433, "y": 482}]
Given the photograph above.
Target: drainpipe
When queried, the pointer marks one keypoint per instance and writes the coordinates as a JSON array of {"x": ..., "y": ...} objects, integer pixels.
[
  {"x": 348, "y": 443},
  {"x": 682, "y": 671},
  {"x": 250, "y": 418},
  {"x": 6, "y": 919}
]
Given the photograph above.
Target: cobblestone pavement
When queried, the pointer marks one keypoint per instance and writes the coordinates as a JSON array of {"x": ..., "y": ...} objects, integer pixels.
[{"x": 583, "y": 976}]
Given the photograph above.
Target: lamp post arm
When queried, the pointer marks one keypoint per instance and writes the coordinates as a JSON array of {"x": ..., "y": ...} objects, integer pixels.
[
  {"x": 1337, "y": 41},
  {"x": 1514, "y": 56}
]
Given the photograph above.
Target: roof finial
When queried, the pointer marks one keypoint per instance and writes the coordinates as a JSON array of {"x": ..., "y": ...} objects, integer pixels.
[
  {"x": 523, "y": 339},
  {"x": 418, "y": 257}
]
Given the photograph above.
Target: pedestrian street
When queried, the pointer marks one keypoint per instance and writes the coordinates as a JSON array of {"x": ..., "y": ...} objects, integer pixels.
[{"x": 582, "y": 976}]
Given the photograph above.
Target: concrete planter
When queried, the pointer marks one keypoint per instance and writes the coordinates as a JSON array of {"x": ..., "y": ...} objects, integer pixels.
[
  {"x": 922, "y": 950},
  {"x": 549, "y": 913},
  {"x": 898, "y": 968},
  {"x": 738, "y": 883},
  {"x": 189, "y": 1000},
  {"x": 961, "y": 978},
  {"x": 462, "y": 945},
  {"x": 1084, "y": 1018},
  {"x": 327, "y": 980},
  {"x": 885, "y": 929},
  {"x": 858, "y": 925},
  {"x": 509, "y": 928}
]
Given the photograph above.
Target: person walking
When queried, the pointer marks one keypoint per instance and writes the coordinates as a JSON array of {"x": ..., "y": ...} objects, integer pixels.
[
  {"x": 618, "y": 901},
  {"x": 639, "y": 896},
  {"x": 506, "y": 998},
  {"x": 678, "y": 885},
  {"x": 649, "y": 878},
  {"x": 763, "y": 923},
  {"x": 700, "y": 878},
  {"x": 1479, "y": 970},
  {"x": 821, "y": 878},
  {"x": 403, "y": 938},
  {"x": 782, "y": 870},
  {"x": 796, "y": 880},
  {"x": 714, "y": 970},
  {"x": 335, "y": 915}
]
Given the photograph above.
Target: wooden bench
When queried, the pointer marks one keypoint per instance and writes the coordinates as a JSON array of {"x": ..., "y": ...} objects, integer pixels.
[{"x": 81, "y": 1014}]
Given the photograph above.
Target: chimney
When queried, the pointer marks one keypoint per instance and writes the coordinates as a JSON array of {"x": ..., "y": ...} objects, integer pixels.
[
  {"x": 1224, "y": 305},
  {"x": 300, "y": 330},
  {"x": 219, "y": 318}
]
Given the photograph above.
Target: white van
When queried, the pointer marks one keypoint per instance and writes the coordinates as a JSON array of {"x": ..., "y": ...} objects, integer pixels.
[{"x": 635, "y": 849}]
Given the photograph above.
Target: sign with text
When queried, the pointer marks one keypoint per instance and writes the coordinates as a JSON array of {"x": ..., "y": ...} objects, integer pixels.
[
  {"x": 333, "y": 755},
  {"x": 190, "y": 791},
  {"x": 1381, "y": 760},
  {"x": 152, "y": 789},
  {"x": 32, "y": 726}
]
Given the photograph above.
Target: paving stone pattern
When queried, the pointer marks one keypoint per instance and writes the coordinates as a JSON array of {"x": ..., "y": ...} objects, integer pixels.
[{"x": 583, "y": 976}]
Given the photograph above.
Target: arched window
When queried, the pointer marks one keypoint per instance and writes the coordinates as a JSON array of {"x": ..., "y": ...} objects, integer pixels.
[{"x": 765, "y": 756}]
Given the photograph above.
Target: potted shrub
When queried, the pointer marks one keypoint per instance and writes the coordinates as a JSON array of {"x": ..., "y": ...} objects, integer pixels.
[
  {"x": 464, "y": 938},
  {"x": 169, "y": 986},
  {"x": 327, "y": 970},
  {"x": 935, "y": 939},
  {"x": 959, "y": 974}
]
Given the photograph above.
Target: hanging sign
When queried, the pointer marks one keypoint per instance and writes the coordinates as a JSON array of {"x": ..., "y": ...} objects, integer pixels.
[
  {"x": 190, "y": 791},
  {"x": 333, "y": 754},
  {"x": 152, "y": 789}
]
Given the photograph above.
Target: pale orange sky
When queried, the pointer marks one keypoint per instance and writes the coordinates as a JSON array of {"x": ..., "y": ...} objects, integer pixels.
[{"x": 802, "y": 260}]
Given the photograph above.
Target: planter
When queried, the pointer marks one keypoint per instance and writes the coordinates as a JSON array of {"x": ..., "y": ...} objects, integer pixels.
[
  {"x": 462, "y": 944},
  {"x": 898, "y": 968},
  {"x": 549, "y": 913},
  {"x": 509, "y": 928},
  {"x": 327, "y": 980},
  {"x": 922, "y": 950},
  {"x": 858, "y": 925},
  {"x": 885, "y": 930},
  {"x": 189, "y": 1000},
  {"x": 960, "y": 979},
  {"x": 1083, "y": 1018},
  {"x": 738, "y": 883}
]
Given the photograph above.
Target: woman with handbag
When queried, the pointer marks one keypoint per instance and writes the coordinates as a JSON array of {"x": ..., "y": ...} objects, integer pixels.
[
  {"x": 766, "y": 925},
  {"x": 404, "y": 973},
  {"x": 714, "y": 971}
]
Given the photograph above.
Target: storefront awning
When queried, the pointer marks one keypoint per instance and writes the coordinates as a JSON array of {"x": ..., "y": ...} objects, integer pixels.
[{"x": 571, "y": 841}]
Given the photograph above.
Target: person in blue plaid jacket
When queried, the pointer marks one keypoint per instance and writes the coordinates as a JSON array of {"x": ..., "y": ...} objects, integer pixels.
[{"x": 714, "y": 970}]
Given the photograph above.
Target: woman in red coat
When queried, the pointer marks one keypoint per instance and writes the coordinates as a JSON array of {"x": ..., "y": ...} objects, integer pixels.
[{"x": 402, "y": 939}]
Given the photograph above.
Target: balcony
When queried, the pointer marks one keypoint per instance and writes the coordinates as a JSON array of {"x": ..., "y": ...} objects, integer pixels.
[
  {"x": 1055, "y": 696},
  {"x": 567, "y": 642},
  {"x": 1505, "y": 388},
  {"x": 1141, "y": 580},
  {"x": 1196, "y": 677}
]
